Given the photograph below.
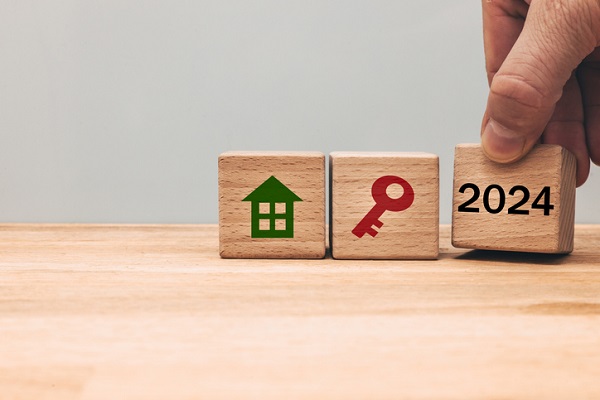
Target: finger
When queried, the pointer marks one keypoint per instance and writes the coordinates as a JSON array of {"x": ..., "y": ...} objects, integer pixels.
[
  {"x": 502, "y": 24},
  {"x": 589, "y": 78},
  {"x": 566, "y": 127},
  {"x": 524, "y": 92}
]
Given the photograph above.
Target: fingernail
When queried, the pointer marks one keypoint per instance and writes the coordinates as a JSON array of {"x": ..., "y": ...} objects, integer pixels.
[{"x": 500, "y": 143}]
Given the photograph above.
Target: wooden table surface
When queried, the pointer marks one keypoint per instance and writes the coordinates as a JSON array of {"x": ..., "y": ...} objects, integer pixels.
[{"x": 152, "y": 312}]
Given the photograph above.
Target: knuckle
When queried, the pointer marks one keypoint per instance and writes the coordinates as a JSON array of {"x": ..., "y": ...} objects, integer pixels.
[
  {"x": 578, "y": 18},
  {"x": 517, "y": 89},
  {"x": 519, "y": 103}
]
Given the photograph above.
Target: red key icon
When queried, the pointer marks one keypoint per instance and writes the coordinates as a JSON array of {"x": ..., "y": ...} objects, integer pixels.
[{"x": 383, "y": 203}]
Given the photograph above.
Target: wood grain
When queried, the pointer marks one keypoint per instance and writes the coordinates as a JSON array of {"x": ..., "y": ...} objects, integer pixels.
[
  {"x": 153, "y": 312},
  {"x": 240, "y": 173},
  {"x": 412, "y": 233},
  {"x": 546, "y": 165}
]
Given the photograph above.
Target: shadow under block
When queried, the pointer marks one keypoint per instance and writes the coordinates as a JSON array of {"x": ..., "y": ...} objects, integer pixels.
[
  {"x": 410, "y": 233},
  {"x": 272, "y": 205},
  {"x": 526, "y": 206}
]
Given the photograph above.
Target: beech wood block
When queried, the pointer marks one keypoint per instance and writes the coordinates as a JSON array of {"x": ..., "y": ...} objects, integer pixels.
[
  {"x": 384, "y": 205},
  {"x": 526, "y": 206},
  {"x": 272, "y": 205}
]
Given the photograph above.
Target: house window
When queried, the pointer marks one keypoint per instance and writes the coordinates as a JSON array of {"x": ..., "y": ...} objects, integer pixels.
[
  {"x": 279, "y": 208},
  {"x": 280, "y": 224},
  {"x": 272, "y": 216},
  {"x": 264, "y": 224},
  {"x": 264, "y": 208}
]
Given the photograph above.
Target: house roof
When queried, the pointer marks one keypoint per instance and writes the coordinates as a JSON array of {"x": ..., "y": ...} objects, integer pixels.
[{"x": 272, "y": 190}]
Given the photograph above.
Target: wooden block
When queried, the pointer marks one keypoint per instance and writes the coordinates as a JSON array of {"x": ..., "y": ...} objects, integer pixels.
[
  {"x": 272, "y": 205},
  {"x": 402, "y": 189},
  {"x": 525, "y": 206}
]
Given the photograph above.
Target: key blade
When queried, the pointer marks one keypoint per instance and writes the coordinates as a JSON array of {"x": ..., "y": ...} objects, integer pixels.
[
  {"x": 361, "y": 229},
  {"x": 358, "y": 232},
  {"x": 366, "y": 224},
  {"x": 372, "y": 232}
]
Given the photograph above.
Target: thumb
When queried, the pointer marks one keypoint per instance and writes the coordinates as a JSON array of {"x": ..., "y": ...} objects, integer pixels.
[{"x": 556, "y": 37}]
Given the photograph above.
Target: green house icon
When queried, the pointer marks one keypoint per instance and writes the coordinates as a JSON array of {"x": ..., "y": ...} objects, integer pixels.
[{"x": 272, "y": 210}]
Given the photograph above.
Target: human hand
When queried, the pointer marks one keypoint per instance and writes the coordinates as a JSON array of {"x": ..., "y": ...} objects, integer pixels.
[{"x": 543, "y": 66}]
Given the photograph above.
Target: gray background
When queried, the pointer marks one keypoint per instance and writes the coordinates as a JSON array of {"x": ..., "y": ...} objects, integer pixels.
[{"x": 116, "y": 111}]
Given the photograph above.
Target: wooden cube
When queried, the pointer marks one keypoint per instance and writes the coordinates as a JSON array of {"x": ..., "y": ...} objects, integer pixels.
[
  {"x": 525, "y": 206},
  {"x": 384, "y": 205},
  {"x": 272, "y": 205}
]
